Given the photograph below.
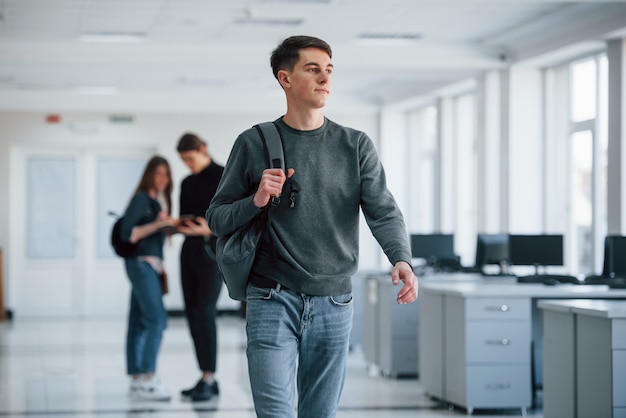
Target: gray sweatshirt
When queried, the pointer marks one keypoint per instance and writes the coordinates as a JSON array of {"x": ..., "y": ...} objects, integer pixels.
[{"x": 316, "y": 240}]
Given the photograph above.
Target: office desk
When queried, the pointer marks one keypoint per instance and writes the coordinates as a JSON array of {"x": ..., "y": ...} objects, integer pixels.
[
  {"x": 390, "y": 331},
  {"x": 559, "y": 352},
  {"x": 476, "y": 339},
  {"x": 585, "y": 367}
]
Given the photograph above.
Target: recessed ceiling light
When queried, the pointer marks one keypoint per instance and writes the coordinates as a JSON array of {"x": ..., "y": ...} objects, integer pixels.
[
  {"x": 113, "y": 37},
  {"x": 95, "y": 90},
  {"x": 269, "y": 21},
  {"x": 388, "y": 38}
]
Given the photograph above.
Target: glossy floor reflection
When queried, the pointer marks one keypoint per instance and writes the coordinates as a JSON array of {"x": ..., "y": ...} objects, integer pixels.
[{"x": 75, "y": 368}]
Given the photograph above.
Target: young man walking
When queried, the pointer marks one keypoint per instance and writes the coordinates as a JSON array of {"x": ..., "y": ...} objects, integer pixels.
[{"x": 299, "y": 300}]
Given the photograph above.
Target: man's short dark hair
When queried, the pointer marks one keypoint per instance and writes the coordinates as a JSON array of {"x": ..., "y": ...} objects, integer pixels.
[
  {"x": 287, "y": 54},
  {"x": 189, "y": 142}
]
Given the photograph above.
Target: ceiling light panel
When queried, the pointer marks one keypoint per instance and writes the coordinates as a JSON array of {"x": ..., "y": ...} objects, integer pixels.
[
  {"x": 388, "y": 38},
  {"x": 269, "y": 21},
  {"x": 112, "y": 37}
]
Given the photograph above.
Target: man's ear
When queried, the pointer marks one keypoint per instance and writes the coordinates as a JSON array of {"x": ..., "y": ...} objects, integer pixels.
[{"x": 283, "y": 78}]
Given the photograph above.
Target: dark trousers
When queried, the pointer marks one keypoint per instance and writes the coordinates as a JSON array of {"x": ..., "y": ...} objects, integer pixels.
[{"x": 201, "y": 285}]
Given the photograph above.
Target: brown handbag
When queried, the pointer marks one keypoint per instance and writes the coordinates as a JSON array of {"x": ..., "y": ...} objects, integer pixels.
[{"x": 164, "y": 286}]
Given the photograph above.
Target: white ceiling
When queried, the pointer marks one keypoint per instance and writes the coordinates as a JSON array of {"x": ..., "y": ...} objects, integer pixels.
[{"x": 203, "y": 55}]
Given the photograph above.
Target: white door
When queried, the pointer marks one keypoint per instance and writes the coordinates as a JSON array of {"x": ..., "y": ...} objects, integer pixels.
[{"x": 62, "y": 263}]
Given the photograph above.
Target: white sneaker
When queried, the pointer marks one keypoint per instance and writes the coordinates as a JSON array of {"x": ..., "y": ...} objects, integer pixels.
[
  {"x": 151, "y": 389},
  {"x": 135, "y": 387}
]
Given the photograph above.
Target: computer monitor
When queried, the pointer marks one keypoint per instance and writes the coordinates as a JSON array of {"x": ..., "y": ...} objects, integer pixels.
[
  {"x": 536, "y": 250},
  {"x": 614, "y": 256},
  {"x": 433, "y": 247},
  {"x": 492, "y": 249}
]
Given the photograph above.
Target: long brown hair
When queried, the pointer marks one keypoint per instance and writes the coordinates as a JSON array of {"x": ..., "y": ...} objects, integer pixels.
[{"x": 147, "y": 179}]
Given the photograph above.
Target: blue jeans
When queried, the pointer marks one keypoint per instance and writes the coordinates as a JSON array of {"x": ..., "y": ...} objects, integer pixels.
[
  {"x": 292, "y": 334},
  {"x": 147, "y": 317}
]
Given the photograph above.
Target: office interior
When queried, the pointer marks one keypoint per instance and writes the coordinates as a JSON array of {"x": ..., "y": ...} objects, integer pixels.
[{"x": 491, "y": 118}]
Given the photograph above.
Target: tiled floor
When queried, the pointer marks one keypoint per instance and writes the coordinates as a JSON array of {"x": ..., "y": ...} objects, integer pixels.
[{"x": 75, "y": 368}]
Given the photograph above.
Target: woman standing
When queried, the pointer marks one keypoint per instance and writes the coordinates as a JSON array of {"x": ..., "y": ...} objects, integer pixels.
[
  {"x": 200, "y": 278},
  {"x": 146, "y": 213}
]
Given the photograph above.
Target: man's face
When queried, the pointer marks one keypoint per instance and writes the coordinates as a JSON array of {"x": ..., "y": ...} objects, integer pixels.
[
  {"x": 310, "y": 81},
  {"x": 194, "y": 160}
]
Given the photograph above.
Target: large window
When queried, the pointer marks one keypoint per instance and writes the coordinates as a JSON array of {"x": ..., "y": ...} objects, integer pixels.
[
  {"x": 581, "y": 233},
  {"x": 443, "y": 185},
  {"x": 465, "y": 183},
  {"x": 588, "y": 163},
  {"x": 583, "y": 87},
  {"x": 424, "y": 154}
]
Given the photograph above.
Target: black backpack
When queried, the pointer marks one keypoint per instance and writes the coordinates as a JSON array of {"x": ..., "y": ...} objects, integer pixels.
[
  {"x": 236, "y": 252},
  {"x": 122, "y": 248}
]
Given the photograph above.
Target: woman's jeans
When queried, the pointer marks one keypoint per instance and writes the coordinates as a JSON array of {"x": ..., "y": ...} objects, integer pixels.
[
  {"x": 292, "y": 334},
  {"x": 147, "y": 317}
]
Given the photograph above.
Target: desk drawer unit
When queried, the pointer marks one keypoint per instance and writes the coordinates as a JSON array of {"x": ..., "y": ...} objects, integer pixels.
[
  {"x": 488, "y": 360},
  {"x": 497, "y": 308},
  {"x": 498, "y": 385},
  {"x": 398, "y": 339},
  {"x": 509, "y": 341},
  {"x": 600, "y": 366},
  {"x": 431, "y": 344}
]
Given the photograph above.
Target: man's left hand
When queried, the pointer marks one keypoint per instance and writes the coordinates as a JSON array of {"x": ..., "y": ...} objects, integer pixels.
[{"x": 402, "y": 271}]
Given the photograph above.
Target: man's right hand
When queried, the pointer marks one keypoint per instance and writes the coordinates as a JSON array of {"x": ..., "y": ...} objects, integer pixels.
[{"x": 271, "y": 184}]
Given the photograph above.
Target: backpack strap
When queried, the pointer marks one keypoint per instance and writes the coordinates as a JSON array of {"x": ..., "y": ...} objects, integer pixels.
[{"x": 273, "y": 145}]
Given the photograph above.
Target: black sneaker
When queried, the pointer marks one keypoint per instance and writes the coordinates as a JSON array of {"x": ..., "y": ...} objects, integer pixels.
[
  {"x": 214, "y": 387},
  {"x": 189, "y": 392},
  {"x": 202, "y": 391}
]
